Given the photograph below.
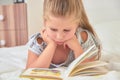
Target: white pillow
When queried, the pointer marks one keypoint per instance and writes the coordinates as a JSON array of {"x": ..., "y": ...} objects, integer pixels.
[{"x": 109, "y": 34}]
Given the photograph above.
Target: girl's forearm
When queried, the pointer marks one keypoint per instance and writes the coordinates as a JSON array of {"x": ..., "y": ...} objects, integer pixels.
[
  {"x": 78, "y": 51},
  {"x": 45, "y": 58}
]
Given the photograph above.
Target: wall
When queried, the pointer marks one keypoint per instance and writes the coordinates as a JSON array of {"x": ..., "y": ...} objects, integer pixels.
[
  {"x": 34, "y": 16},
  {"x": 3, "y": 2},
  {"x": 102, "y": 10}
]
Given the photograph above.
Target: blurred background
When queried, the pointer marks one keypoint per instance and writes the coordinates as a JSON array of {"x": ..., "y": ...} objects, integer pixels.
[{"x": 98, "y": 11}]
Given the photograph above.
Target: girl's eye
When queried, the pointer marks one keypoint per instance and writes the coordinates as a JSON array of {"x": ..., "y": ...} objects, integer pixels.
[
  {"x": 53, "y": 29},
  {"x": 66, "y": 30}
]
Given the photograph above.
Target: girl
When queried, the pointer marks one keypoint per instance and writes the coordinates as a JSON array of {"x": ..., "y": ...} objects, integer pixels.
[{"x": 66, "y": 35}]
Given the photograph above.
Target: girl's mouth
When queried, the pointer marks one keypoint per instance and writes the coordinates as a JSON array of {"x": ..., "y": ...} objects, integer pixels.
[{"x": 59, "y": 43}]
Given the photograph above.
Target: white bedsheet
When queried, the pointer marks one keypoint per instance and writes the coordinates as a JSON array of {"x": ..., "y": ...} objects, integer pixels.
[{"x": 13, "y": 60}]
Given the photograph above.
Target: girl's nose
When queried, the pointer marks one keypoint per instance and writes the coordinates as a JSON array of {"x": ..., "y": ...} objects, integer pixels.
[{"x": 60, "y": 36}]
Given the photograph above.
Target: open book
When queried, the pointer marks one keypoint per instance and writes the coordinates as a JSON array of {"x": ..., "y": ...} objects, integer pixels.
[{"x": 74, "y": 69}]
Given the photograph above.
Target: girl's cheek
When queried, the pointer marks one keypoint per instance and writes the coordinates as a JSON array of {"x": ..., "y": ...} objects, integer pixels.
[
  {"x": 51, "y": 35},
  {"x": 48, "y": 32},
  {"x": 69, "y": 36}
]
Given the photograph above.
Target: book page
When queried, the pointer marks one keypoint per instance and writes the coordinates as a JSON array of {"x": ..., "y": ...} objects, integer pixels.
[
  {"x": 92, "y": 71},
  {"x": 96, "y": 67},
  {"x": 42, "y": 73},
  {"x": 89, "y": 54},
  {"x": 78, "y": 60}
]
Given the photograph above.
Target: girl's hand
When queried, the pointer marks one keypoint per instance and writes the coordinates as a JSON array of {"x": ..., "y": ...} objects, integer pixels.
[
  {"x": 74, "y": 45},
  {"x": 46, "y": 38}
]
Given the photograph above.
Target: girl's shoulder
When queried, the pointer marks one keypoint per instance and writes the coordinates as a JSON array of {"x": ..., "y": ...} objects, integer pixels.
[
  {"x": 87, "y": 38},
  {"x": 36, "y": 43},
  {"x": 36, "y": 38},
  {"x": 83, "y": 35}
]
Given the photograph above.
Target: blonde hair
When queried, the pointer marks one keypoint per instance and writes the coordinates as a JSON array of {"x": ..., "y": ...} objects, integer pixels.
[{"x": 66, "y": 8}]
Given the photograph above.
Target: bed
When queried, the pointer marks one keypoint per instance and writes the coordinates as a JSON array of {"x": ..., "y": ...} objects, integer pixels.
[{"x": 107, "y": 25}]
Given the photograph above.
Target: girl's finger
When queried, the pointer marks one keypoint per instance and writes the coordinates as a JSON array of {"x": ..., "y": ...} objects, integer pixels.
[{"x": 65, "y": 45}]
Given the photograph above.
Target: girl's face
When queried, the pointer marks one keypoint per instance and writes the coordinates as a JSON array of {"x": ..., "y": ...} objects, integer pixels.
[{"x": 60, "y": 29}]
